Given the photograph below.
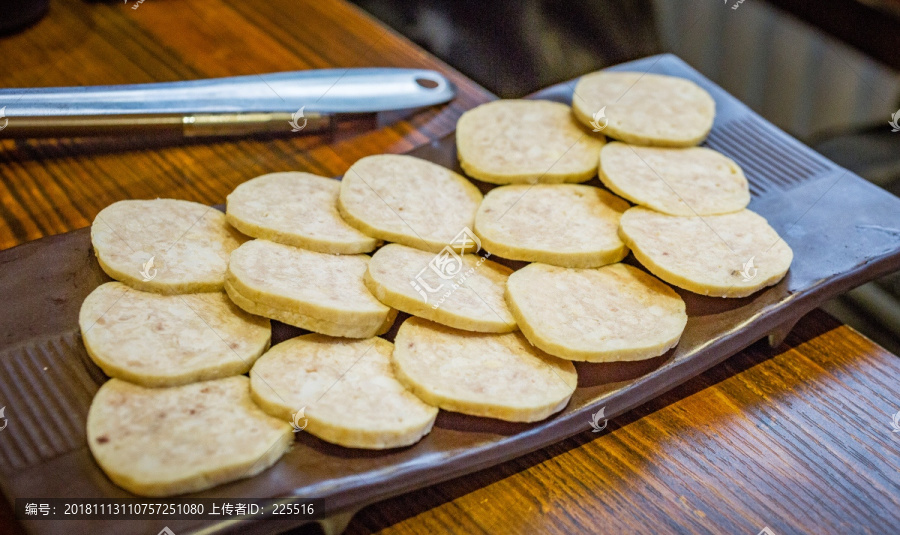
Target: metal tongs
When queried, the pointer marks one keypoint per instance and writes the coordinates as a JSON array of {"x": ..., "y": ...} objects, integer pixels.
[{"x": 305, "y": 101}]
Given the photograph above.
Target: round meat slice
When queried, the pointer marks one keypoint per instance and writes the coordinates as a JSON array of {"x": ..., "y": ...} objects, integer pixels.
[
  {"x": 315, "y": 291},
  {"x": 526, "y": 142},
  {"x": 167, "y": 340},
  {"x": 342, "y": 391},
  {"x": 494, "y": 375},
  {"x": 645, "y": 109},
  {"x": 181, "y": 439},
  {"x": 730, "y": 255},
  {"x": 462, "y": 291},
  {"x": 614, "y": 313},
  {"x": 693, "y": 181},
  {"x": 298, "y": 209},
  {"x": 407, "y": 200},
  {"x": 560, "y": 224},
  {"x": 164, "y": 245}
]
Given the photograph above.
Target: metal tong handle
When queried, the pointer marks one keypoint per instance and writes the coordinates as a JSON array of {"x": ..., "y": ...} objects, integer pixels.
[{"x": 286, "y": 101}]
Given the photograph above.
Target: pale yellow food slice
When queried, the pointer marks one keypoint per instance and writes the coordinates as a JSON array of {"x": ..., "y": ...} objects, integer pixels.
[
  {"x": 609, "y": 314},
  {"x": 561, "y": 224},
  {"x": 346, "y": 390},
  {"x": 494, "y": 375},
  {"x": 298, "y": 209},
  {"x": 164, "y": 245},
  {"x": 524, "y": 142},
  {"x": 166, "y": 340},
  {"x": 730, "y": 255},
  {"x": 310, "y": 323},
  {"x": 407, "y": 200},
  {"x": 315, "y": 291},
  {"x": 462, "y": 291},
  {"x": 645, "y": 109},
  {"x": 181, "y": 439},
  {"x": 690, "y": 181}
]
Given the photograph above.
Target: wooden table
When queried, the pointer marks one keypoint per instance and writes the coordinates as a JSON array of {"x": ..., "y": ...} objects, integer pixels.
[{"x": 798, "y": 438}]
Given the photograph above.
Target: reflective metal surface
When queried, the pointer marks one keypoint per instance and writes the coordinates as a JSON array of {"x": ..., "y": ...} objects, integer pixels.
[{"x": 241, "y": 105}]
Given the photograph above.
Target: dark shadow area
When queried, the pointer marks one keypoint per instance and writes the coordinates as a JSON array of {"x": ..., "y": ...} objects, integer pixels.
[
  {"x": 516, "y": 47},
  {"x": 477, "y": 424},
  {"x": 602, "y": 373},
  {"x": 283, "y": 331}
]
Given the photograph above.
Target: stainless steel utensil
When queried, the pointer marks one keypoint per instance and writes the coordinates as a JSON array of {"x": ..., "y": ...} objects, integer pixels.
[{"x": 305, "y": 101}]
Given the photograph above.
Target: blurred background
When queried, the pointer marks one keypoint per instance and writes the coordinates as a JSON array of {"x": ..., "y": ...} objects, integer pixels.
[{"x": 827, "y": 72}]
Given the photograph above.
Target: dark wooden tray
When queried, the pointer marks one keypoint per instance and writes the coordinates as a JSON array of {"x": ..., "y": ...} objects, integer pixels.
[{"x": 844, "y": 231}]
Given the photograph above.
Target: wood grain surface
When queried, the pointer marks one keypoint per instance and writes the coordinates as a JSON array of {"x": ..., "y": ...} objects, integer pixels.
[
  {"x": 54, "y": 186},
  {"x": 798, "y": 438}
]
